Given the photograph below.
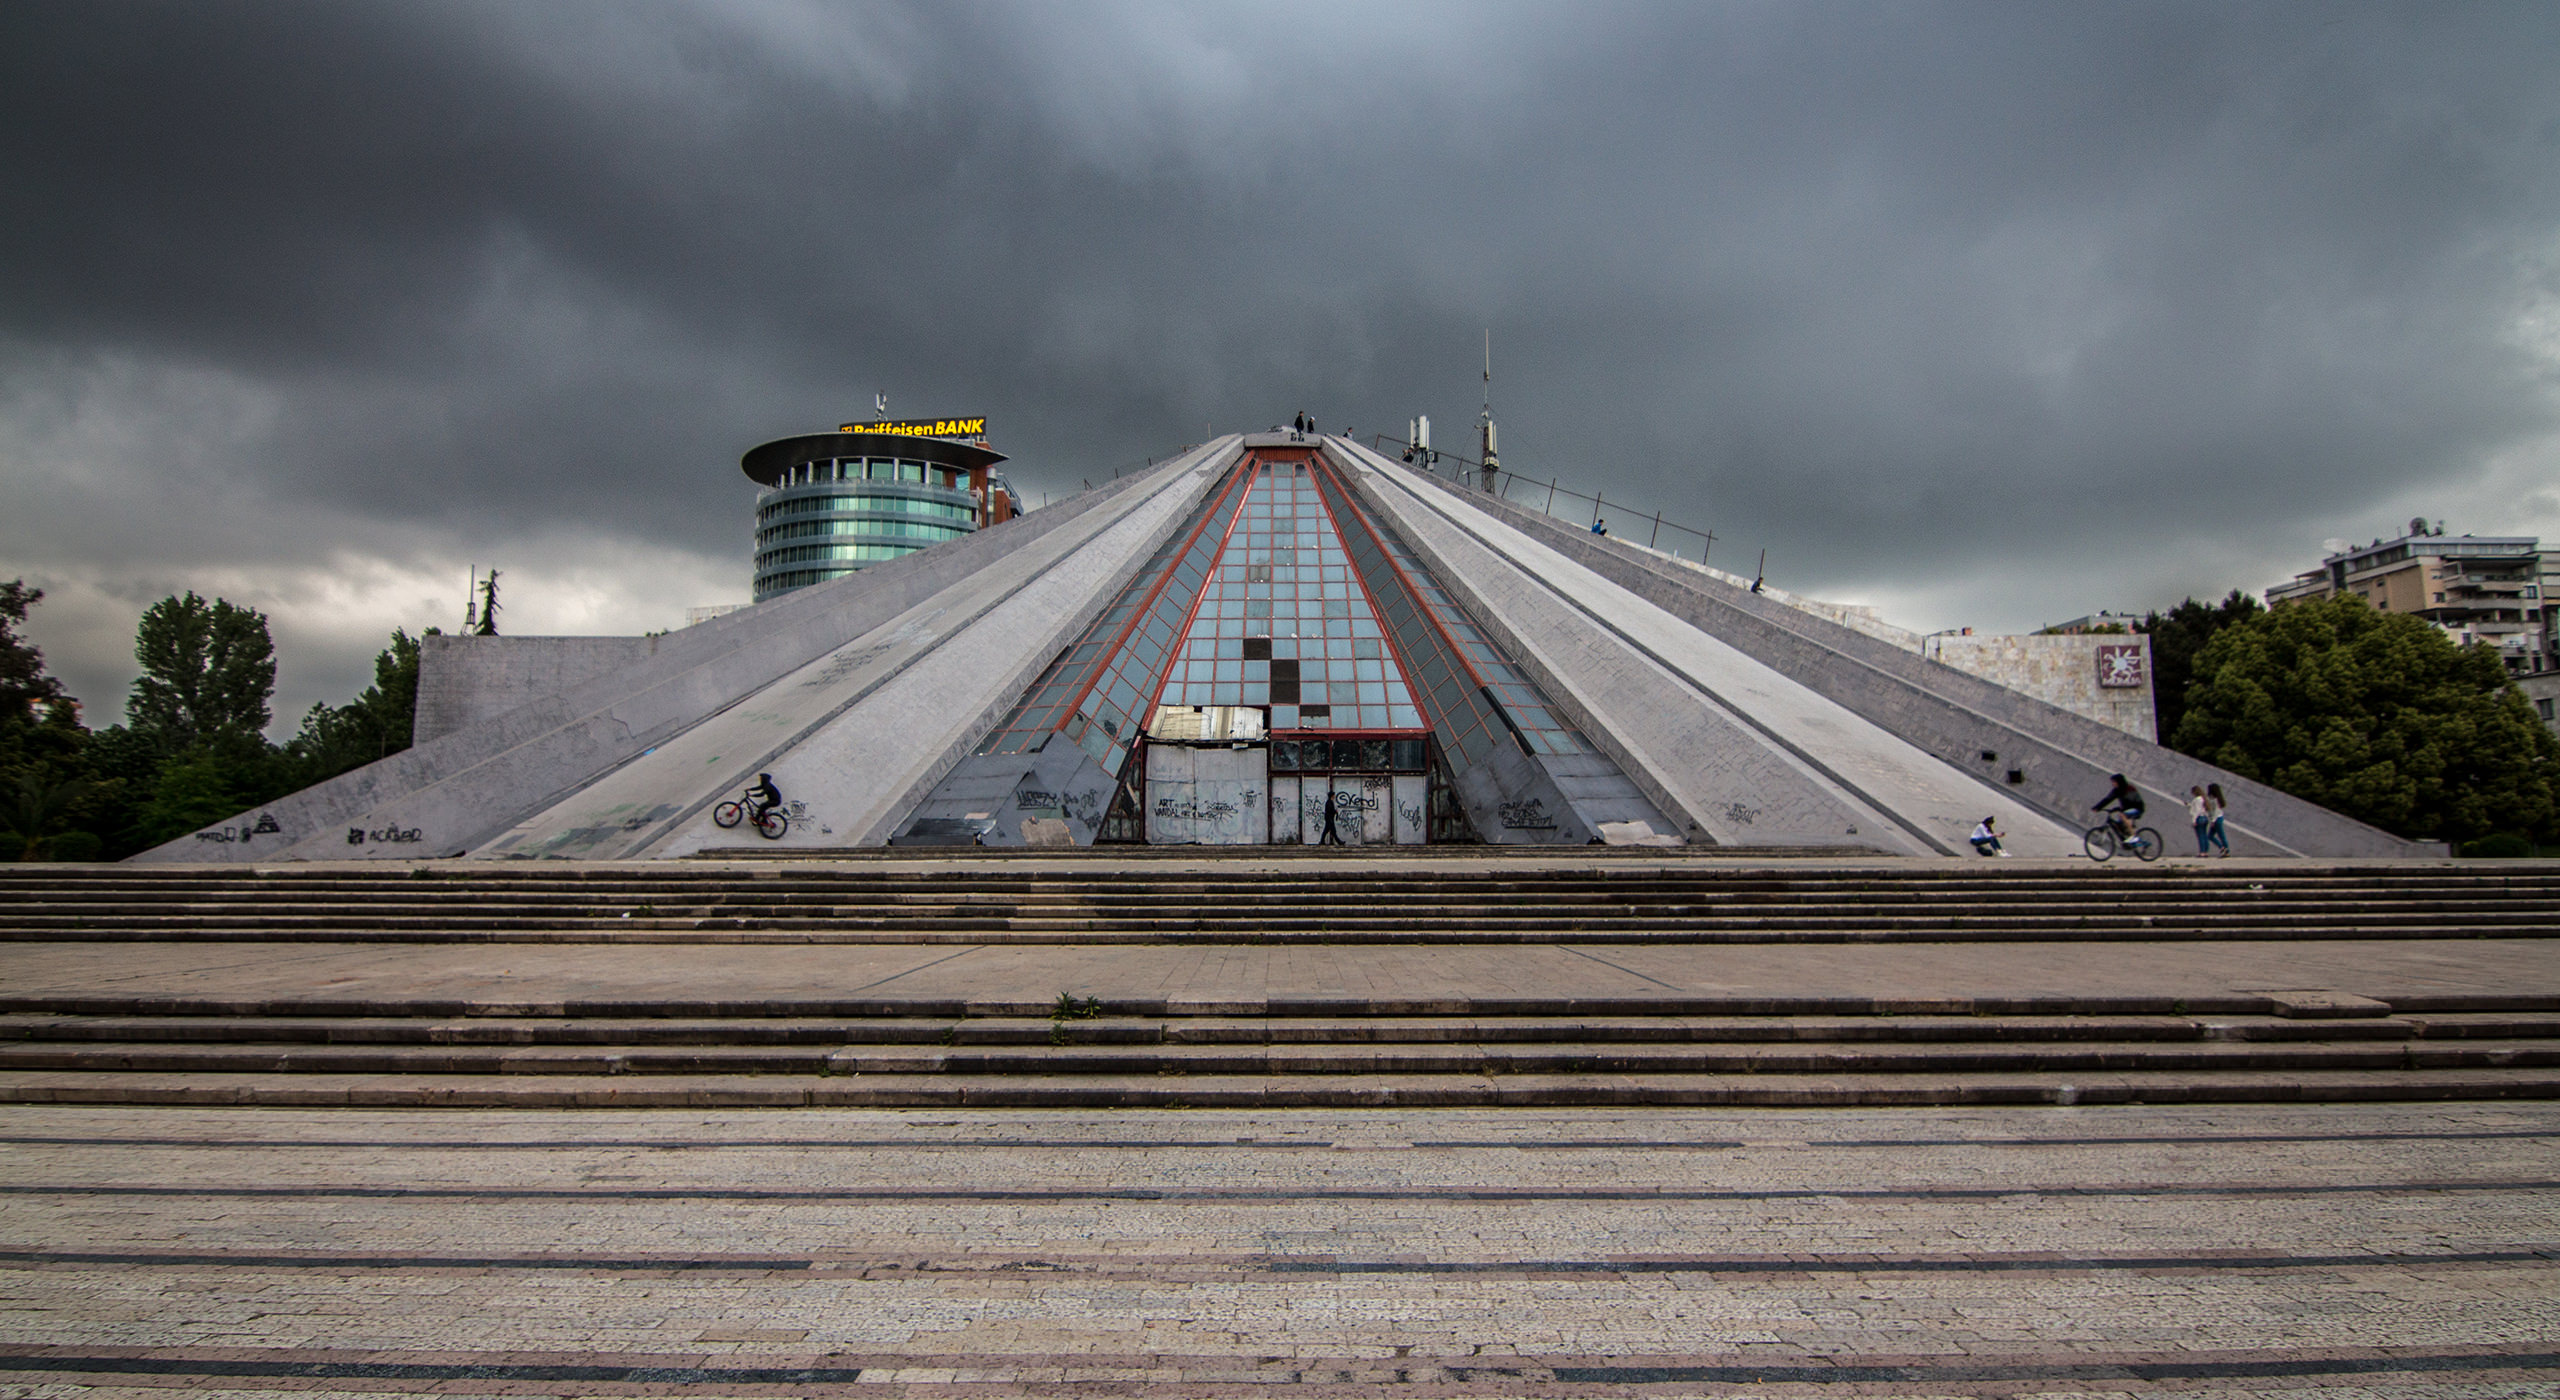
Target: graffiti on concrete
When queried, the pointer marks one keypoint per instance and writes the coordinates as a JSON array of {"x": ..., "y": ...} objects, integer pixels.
[
  {"x": 1530, "y": 815},
  {"x": 1192, "y": 809},
  {"x": 227, "y": 835}
]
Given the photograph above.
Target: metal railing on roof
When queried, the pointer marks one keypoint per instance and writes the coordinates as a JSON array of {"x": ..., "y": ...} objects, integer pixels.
[{"x": 1542, "y": 496}]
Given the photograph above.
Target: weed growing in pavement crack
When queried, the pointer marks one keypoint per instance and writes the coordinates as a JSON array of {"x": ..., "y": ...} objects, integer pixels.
[{"x": 1070, "y": 1009}]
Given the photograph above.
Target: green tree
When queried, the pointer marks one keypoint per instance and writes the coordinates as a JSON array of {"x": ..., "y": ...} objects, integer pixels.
[
  {"x": 192, "y": 791},
  {"x": 2176, "y": 637},
  {"x": 24, "y": 687},
  {"x": 50, "y": 804},
  {"x": 122, "y": 767},
  {"x": 337, "y": 738},
  {"x": 38, "y": 807},
  {"x": 208, "y": 669},
  {"x": 2376, "y": 715},
  {"x": 488, "y": 624}
]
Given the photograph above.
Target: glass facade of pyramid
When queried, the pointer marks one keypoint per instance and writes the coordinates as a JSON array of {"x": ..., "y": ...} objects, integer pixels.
[{"x": 1282, "y": 625}]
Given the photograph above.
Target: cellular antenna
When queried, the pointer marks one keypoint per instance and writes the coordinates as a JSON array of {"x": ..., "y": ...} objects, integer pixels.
[{"x": 1484, "y": 424}]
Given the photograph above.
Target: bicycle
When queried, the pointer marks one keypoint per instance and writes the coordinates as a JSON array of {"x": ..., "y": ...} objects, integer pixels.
[
  {"x": 770, "y": 822},
  {"x": 2103, "y": 841}
]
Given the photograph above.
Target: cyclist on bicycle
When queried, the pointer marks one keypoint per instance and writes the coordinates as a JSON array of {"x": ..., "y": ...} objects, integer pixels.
[
  {"x": 763, "y": 797},
  {"x": 2123, "y": 804}
]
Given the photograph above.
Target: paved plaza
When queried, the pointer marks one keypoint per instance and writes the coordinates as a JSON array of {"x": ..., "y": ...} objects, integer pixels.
[
  {"x": 1244, "y": 974},
  {"x": 2403, "y": 1251}
]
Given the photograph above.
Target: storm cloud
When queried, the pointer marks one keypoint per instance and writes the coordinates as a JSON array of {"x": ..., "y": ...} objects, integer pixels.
[{"x": 1987, "y": 314}]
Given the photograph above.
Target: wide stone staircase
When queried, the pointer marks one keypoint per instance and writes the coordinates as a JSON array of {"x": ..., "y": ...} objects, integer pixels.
[
  {"x": 1116, "y": 900},
  {"x": 290, "y": 1045}
]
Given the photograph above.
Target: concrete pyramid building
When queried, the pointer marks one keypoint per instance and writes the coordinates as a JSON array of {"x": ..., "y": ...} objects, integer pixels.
[{"x": 1271, "y": 639}]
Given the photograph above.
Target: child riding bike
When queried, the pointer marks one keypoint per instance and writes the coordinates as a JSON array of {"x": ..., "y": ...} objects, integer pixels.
[{"x": 759, "y": 809}]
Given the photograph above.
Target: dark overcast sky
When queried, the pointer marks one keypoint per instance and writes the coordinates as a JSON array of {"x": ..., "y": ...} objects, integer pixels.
[{"x": 1987, "y": 314}]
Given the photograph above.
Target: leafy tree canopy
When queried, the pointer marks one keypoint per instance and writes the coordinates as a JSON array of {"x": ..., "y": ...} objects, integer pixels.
[
  {"x": 24, "y": 687},
  {"x": 2176, "y": 636},
  {"x": 36, "y": 807},
  {"x": 375, "y": 725},
  {"x": 2376, "y": 715},
  {"x": 193, "y": 791},
  {"x": 43, "y": 777},
  {"x": 207, "y": 671}
]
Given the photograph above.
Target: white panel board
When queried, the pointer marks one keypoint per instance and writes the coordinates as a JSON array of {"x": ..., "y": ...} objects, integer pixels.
[
  {"x": 1207, "y": 797},
  {"x": 1412, "y": 795},
  {"x": 1235, "y": 806},
  {"x": 1172, "y": 795},
  {"x": 1284, "y": 811},
  {"x": 1352, "y": 810}
]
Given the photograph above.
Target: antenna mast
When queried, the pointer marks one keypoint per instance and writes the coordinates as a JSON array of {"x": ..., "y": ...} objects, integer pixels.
[{"x": 1484, "y": 424}]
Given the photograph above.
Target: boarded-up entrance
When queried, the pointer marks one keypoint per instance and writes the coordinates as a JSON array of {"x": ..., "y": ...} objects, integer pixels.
[
  {"x": 1207, "y": 796},
  {"x": 1369, "y": 809}
]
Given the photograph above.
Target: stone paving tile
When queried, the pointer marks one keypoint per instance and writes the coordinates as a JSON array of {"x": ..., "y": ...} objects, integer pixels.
[
  {"x": 1408, "y": 1253},
  {"x": 1216, "y": 974}
]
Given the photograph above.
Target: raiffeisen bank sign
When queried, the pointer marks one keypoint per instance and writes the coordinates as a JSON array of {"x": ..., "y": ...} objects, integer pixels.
[{"x": 973, "y": 429}]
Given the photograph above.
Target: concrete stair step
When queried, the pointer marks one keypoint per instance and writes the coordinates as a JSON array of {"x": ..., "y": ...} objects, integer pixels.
[
  {"x": 2128, "y": 887},
  {"x": 1314, "y": 909},
  {"x": 1273, "y": 1091},
  {"x": 639, "y": 931},
  {"x": 1916, "y": 882},
  {"x": 963, "y": 889},
  {"x": 2445, "y": 1007},
  {"x": 2126, "y": 1057},
  {"x": 833, "y": 1033}
]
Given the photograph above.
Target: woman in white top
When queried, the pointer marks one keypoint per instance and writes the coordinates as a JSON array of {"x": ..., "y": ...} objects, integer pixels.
[
  {"x": 2200, "y": 811},
  {"x": 1986, "y": 839}
]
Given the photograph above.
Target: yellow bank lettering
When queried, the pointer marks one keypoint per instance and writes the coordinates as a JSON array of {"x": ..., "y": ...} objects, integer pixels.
[{"x": 922, "y": 427}]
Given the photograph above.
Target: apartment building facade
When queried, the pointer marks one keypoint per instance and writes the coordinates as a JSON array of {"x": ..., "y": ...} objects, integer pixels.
[{"x": 2486, "y": 590}]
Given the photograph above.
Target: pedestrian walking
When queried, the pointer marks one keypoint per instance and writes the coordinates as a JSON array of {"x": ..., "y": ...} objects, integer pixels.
[
  {"x": 2213, "y": 799},
  {"x": 2200, "y": 811}
]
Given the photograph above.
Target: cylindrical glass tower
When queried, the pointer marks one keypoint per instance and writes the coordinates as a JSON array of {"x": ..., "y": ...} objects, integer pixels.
[{"x": 837, "y": 502}]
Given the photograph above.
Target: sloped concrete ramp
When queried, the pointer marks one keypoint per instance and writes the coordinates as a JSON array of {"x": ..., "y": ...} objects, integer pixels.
[
  {"x": 1747, "y": 755},
  {"x": 1741, "y": 722},
  {"x": 2039, "y": 754},
  {"x": 620, "y": 764}
]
